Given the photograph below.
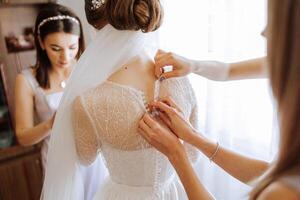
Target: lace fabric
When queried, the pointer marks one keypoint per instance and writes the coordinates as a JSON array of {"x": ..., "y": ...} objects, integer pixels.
[
  {"x": 87, "y": 150},
  {"x": 106, "y": 117}
]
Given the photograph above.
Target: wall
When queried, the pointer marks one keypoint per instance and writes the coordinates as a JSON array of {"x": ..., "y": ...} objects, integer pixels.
[
  {"x": 13, "y": 20},
  {"x": 78, "y": 8}
]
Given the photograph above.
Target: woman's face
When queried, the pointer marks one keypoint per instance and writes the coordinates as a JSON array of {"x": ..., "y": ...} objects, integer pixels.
[{"x": 61, "y": 48}]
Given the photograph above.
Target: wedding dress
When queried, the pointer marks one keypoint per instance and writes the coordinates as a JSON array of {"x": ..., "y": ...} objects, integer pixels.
[
  {"x": 96, "y": 115},
  {"x": 105, "y": 120}
]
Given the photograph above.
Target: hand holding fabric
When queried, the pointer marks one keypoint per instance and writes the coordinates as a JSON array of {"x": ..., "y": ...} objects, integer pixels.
[
  {"x": 212, "y": 70},
  {"x": 160, "y": 137},
  {"x": 181, "y": 66},
  {"x": 172, "y": 116}
]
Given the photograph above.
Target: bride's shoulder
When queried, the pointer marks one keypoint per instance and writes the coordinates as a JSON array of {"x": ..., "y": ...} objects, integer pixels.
[
  {"x": 82, "y": 101},
  {"x": 83, "y": 96},
  {"x": 92, "y": 92},
  {"x": 181, "y": 82}
]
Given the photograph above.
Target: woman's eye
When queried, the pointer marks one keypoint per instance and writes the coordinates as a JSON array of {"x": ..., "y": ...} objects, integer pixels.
[{"x": 55, "y": 49}]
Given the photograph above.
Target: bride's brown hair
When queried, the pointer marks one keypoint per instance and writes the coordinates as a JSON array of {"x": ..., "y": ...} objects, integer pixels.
[{"x": 144, "y": 15}]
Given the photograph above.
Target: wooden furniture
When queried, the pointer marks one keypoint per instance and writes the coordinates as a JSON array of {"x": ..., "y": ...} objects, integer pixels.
[{"x": 20, "y": 173}]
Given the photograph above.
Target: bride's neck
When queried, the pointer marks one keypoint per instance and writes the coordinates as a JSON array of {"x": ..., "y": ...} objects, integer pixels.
[{"x": 138, "y": 69}]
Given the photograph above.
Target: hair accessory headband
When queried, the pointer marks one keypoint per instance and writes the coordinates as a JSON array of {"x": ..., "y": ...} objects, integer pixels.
[
  {"x": 58, "y": 17},
  {"x": 97, "y": 4}
]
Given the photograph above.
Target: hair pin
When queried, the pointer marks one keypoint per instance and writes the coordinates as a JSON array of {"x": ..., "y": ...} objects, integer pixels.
[{"x": 97, "y": 4}]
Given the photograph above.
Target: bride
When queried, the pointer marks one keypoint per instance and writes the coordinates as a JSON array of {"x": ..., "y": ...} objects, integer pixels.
[{"x": 105, "y": 98}]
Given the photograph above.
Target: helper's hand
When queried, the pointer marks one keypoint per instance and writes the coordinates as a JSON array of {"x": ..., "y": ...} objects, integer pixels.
[
  {"x": 181, "y": 65},
  {"x": 172, "y": 116},
  {"x": 160, "y": 137}
]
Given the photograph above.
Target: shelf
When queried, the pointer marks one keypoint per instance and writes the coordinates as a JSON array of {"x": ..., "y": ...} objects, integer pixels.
[{"x": 16, "y": 151}]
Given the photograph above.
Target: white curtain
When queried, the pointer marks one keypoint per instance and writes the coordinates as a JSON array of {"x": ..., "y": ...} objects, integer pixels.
[{"x": 238, "y": 114}]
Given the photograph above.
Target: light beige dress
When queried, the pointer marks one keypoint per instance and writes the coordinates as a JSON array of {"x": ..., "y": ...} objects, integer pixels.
[{"x": 105, "y": 119}]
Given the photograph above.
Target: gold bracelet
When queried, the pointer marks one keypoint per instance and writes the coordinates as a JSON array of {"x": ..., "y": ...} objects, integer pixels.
[{"x": 211, "y": 158}]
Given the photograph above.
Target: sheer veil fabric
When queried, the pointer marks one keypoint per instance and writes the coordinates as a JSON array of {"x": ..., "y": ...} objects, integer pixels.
[{"x": 109, "y": 50}]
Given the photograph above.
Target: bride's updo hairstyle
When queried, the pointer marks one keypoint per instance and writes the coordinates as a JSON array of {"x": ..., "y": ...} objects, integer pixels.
[{"x": 144, "y": 15}]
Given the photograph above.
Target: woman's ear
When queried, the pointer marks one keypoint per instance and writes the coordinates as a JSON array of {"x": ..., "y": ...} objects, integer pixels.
[{"x": 41, "y": 43}]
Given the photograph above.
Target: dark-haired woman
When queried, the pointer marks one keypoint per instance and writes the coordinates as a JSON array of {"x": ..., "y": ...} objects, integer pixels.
[
  {"x": 106, "y": 97},
  {"x": 59, "y": 43}
]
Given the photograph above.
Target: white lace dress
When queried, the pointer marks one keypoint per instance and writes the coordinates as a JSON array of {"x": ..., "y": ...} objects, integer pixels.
[{"x": 105, "y": 119}]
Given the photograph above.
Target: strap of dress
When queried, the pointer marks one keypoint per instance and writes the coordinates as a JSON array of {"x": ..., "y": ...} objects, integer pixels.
[{"x": 31, "y": 79}]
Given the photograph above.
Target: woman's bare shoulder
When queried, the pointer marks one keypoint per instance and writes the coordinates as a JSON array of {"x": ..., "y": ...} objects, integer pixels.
[
  {"x": 22, "y": 82},
  {"x": 278, "y": 191}
]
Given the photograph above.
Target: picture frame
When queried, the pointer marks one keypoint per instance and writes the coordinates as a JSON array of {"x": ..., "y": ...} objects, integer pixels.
[{"x": 17, "y": 43}]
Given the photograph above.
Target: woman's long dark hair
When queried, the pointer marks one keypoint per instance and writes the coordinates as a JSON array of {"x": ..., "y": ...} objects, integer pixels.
[
  {"x": 284, "y": 70},
  {"x": 43, "y": 63}
]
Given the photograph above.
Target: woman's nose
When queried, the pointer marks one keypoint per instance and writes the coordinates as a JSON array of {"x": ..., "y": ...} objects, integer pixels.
[{"x": 65, "y": 55}]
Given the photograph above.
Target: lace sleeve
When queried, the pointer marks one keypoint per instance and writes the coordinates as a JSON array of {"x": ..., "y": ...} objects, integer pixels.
[
  {"x": 86, "y": 140},
  {"x": 194, "y": 120},
  {"x": 193, "y": 152}
]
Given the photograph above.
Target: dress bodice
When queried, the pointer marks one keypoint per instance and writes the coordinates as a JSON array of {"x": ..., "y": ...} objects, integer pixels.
[{"x": 105, "y": 119}]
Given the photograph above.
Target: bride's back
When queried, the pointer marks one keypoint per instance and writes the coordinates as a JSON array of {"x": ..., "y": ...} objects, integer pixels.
[
  {"x": 137, "y": 73},
  {"x": 110, "y": 112},
  {"x": 106, "y": 116}
]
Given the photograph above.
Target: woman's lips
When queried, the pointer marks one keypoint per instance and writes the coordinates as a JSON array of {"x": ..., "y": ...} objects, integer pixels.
[{"x": 63, "y": 63}]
